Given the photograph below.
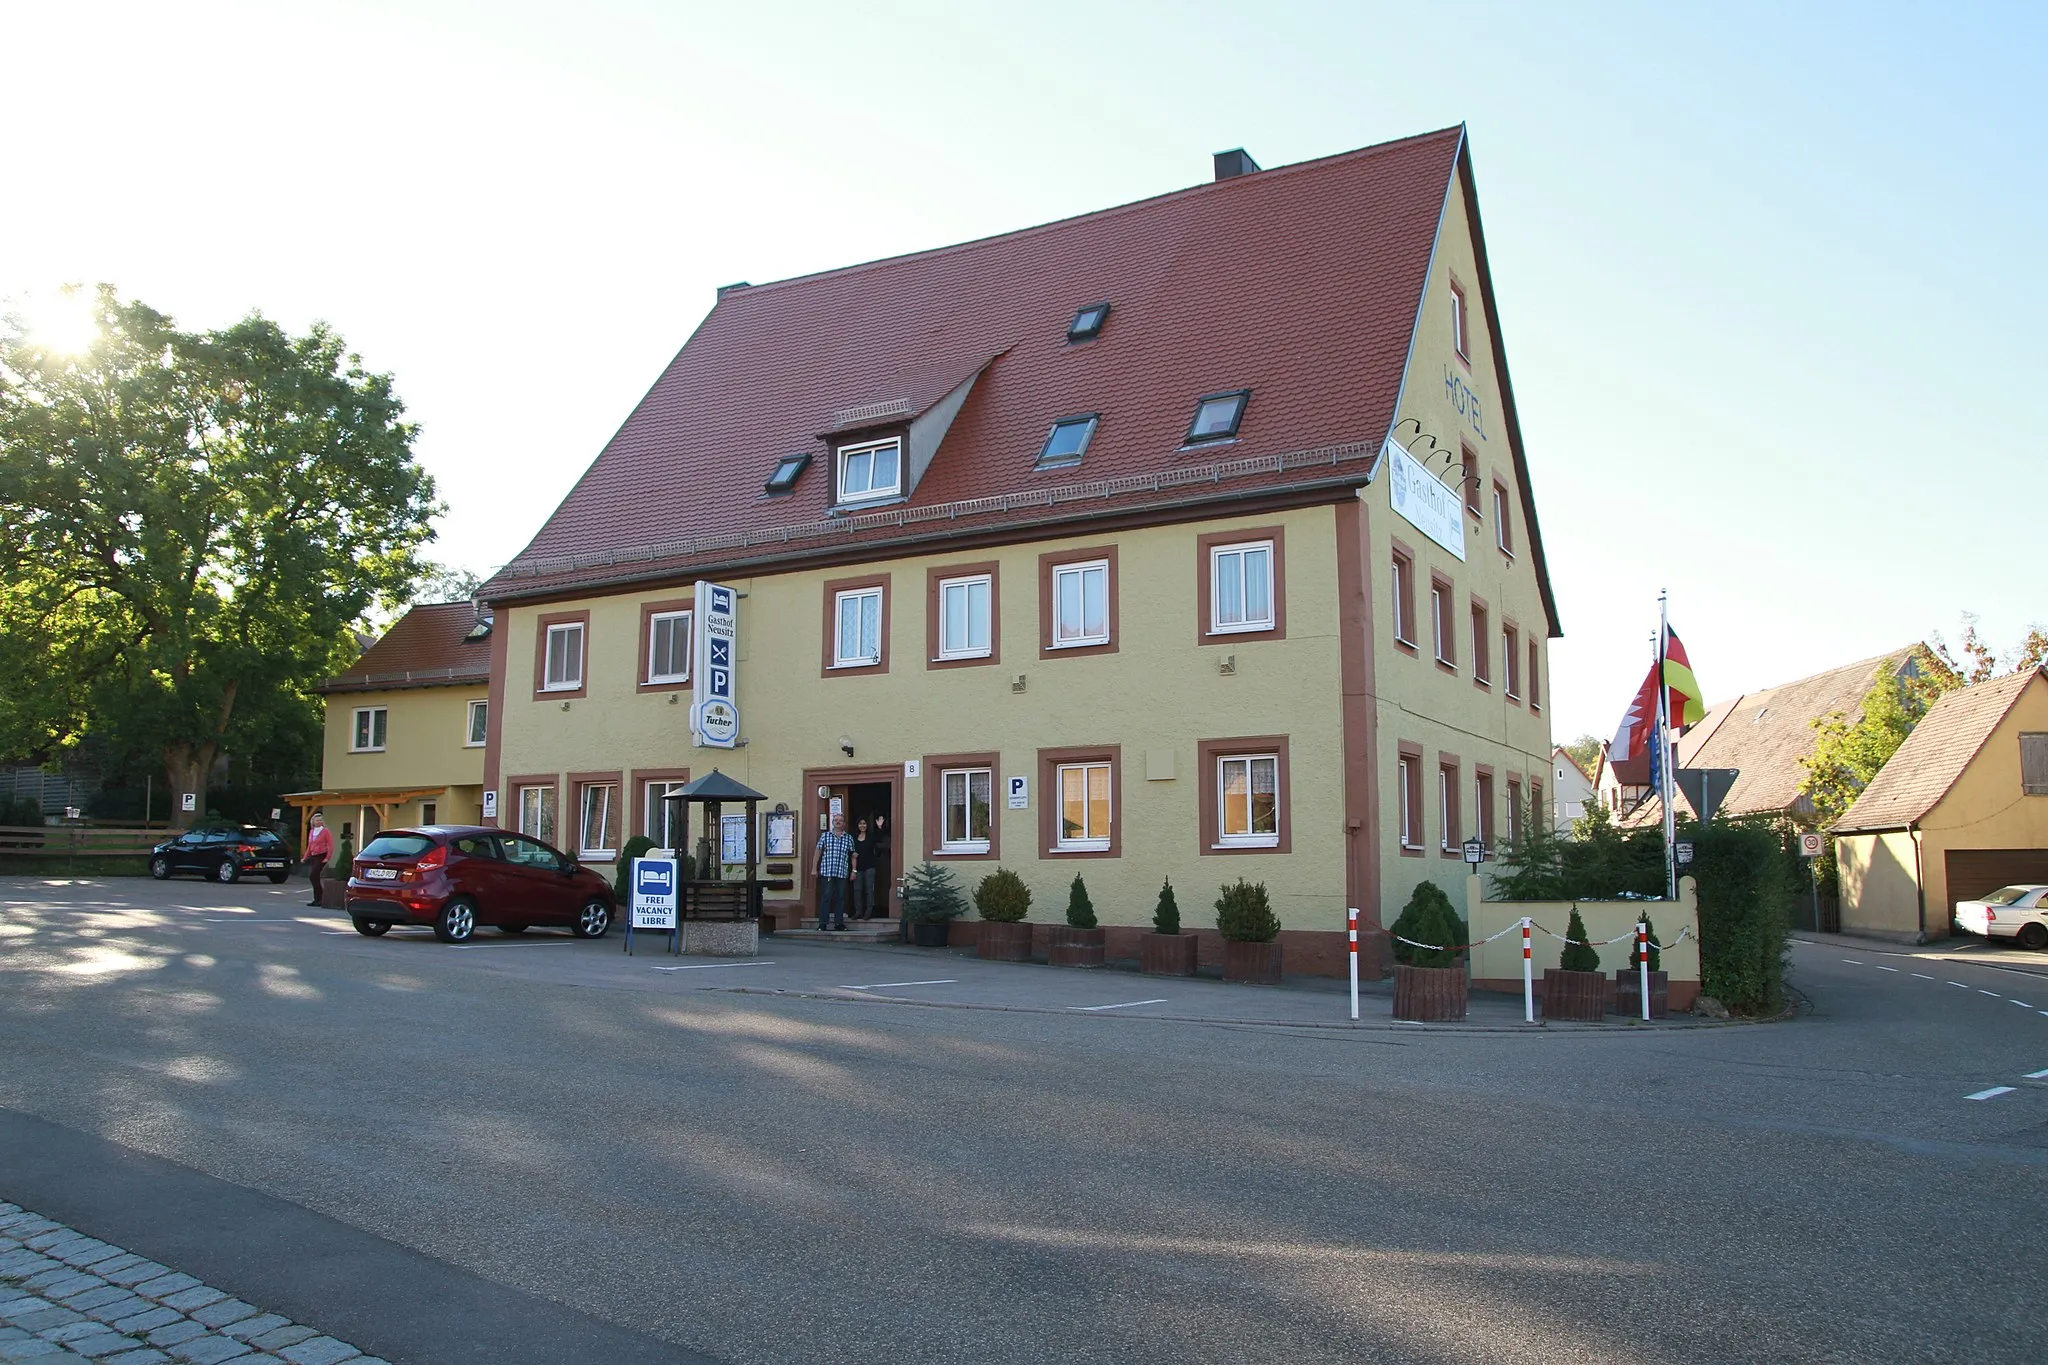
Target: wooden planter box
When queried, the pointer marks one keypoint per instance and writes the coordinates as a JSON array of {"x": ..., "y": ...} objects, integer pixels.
[
  {"x": 1628, "y": 994},
  {"x": 1256, "y": 964},
  {"x": 1429, "y": 995},
  {"x": 930, "y": 933},
  {"x": 1167, "y": 954},
  {"x": 1071, "y": 947},
  {"x": 1004, "y": 942},
  {"x": 1581, "y": 996}
]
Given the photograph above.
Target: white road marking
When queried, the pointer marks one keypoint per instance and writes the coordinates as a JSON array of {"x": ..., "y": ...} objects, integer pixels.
[
  {"x": 1853, "y": 961},
  {"x": 700, "y": 966},
  {"x": 1128, "y": 1004},
  {"x": 1923, "y": 976},
  {"x": 1881, "y": 967},
  {"x": 885, "y": 985},
  {"x": 1993, "y": 994},
  {"x": 2036, "y": 1075},
  {"x": 2021, "y": 1003},
  {"x": 1993, "y": 1093},
  {"x": 1958, "y": 983}
]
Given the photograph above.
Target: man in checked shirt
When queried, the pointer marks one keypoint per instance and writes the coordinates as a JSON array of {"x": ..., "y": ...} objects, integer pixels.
[{"x": 835, "y": 873}]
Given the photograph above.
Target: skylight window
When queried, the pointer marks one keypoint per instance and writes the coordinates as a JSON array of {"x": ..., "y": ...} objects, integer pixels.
[
  {"x": 1217, "y": 417},
  {"x": 1067, "y": 442},
  {"x": 787, "y": 469},
  {"x": 1087, "y": 324}
]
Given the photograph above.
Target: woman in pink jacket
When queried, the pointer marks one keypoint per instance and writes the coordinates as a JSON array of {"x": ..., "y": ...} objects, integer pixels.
[{"x": 319, "y": 848}]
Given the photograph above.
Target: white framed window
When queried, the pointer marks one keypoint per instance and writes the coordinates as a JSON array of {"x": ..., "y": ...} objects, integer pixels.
[
  {"x": 873, "y": 470},
  {"x": 857, "y": 628},
  {"x": 564, "y": 672},
  {"x": 1248, "y": 800},
  {"x": 666, "y": 822},
  {"x": 1241, "y": 587},
  {"x": 966, "y": 795},
  {"x": 367, "y": 730},
  {"x": 1085, "y": 807},
  {"x": 1407, "y": 788},
  {"x": 1458, "y": 324},
  {"x": 1514, "y": 810},
  {"x": 478, "y": 727},
  {"x": 965, "y": 629},
  {"x": 1440, "y": 609},
  {"x": 1502, "y": 536},
  {"x": 1080, "y": 604},
  {"x": 599, "y": 826},
  {"x": 668, "y": 647},
  {"x": 1511, "y": 659},
  {"x": 1445, "y": 812},
  {"x": 537, "y": 812},
  {"x": 1404, "y": 599}
]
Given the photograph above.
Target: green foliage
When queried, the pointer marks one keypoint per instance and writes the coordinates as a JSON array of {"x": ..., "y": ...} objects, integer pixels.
[
  {"x": 931, "y": 893},
  {"x": 1166, "y": 914},
  {"x": 1579, "y": 955},
  {"x": 1080, "y": 910},
  {"x": 622, "y": 880},
  {"x": 1848, "y": 752},
  {"x": 1532, "y": 862},
  {"x": 20, "y": 810},
  {"x": 1748, "y": 872},
  {"x": 1002, "y": 897},
  {"x": 1656, "y": 955},
  {"x": 1584, "y": 751},
  {"x": 1244, "y": 913},
  {"x": 193, "y": 524},
  {"x": 1429, "y": 917}
]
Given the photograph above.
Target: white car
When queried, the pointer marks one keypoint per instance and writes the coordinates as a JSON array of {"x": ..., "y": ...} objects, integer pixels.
[{"x": 2019, "y": 912}]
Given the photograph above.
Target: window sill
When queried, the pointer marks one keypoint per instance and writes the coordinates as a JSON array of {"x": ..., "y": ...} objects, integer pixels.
[
  {"x": 592, "y": 855},
  {"x": 973, "y": 658},
  {"x": 1242, "y": 845},
  {"x": 377, "y": 750},
  {"x": 962, "y": 851},
  {"x": 1483, "y": 684},
  {"x": 1079, "y": 644},
  {"x": 1407, "y": 647},
  {"x": 1447, "y": 666},
  {"x": 1093, "y": 846},
  {"x": 557, "y": 689},
  {"x": 1513, "y": 698},
  {"x": 666, "y": 681},
  {"x": 858, "y": 506},
  {"x": 858, "y": 663},
  {"x": 1410, "y": 851},
  {"x": 474, "y": 743},
  {"x": 1250, "y": 628}
]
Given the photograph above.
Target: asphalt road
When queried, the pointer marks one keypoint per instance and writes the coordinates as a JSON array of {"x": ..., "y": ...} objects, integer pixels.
[{"x": 666, "y": 1165}]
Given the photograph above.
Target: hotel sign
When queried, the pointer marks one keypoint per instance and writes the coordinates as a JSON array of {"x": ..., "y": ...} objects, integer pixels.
[
  {"x": 715, "y": 713},
  {"x": 1426, "y": 502}
]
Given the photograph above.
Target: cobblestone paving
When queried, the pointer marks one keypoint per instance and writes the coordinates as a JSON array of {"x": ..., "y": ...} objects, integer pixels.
[{"x": 66, "y": 1297}]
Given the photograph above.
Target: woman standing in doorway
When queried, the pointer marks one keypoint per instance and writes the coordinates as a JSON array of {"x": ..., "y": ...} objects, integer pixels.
[{"x": 864, "y": 854}]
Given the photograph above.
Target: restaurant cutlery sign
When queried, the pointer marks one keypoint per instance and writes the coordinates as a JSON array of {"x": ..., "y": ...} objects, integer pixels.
[
  {"x": 1428, "y": 504},
  {"x": 715, "y": 712}
]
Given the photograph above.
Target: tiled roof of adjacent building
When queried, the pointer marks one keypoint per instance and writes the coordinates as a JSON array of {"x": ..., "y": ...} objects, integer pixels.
[
  {"x": 1300, "y": 283},
  {"x": 1935, "y": 754},
  {"x": 435, "y": 645}
]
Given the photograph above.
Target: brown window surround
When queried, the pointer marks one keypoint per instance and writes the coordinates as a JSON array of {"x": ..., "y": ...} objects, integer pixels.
[
  {"x": 648, "y": 611},
  {"x": 932, "y": 579},
  {"x": 1482, "y": 791},
  {"x": 1059, "y": 559},
  {"x": 1514, "y": 802},
  {"x": 1451, "y": 845},
  {"x": 508, "y": 816},
  {"x": 577, "y": 782},
  {"x": 1403, "y": 584},
  {"x": 1468, "y": 474},
  {"x": 1443, "y": 610},
  {"x": 1503, "y": 528},
  {"x": 1461, "y": 335},
  {"x": 1482, "y": 645},
  {"x": 1411, "y": 766},
  {"x": 1208, "y": 755},
  {"x": 1536, "y": 801},
  {"x": 832, "y": 590},
  {"x": 1511, "y": 660},
  {"x": 935, "y": 800},
  {"x": 540, "y": 655},
  {"x": 1049, "y": 761},
  {"x": 1205, "y": 584},
  {"x": 1535, "y": 677},
  {"x": 639, "y": 778}
]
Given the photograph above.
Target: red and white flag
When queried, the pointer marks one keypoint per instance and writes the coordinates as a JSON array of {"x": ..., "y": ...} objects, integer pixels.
[{"x": 1638, "y": 723}]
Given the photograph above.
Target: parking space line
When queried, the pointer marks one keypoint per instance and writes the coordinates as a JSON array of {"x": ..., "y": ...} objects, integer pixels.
[
  {"x": 2036, "y": 1075},
  {"x": 1993, "y": 1093},
  {"x": 2021, "y": 1003},
  {"x": 1881, "y": 967},
  {"x": 1958, "y": 983},
  {"x": 1923, "y": 976},
  {"x": 885, "y": 985},
  {"x": 700, "y": 966},
  {"x": 1993, "y": 994},
  {"x": 1853, "y": 961},
  {"x": 1128, "y": 1004}
]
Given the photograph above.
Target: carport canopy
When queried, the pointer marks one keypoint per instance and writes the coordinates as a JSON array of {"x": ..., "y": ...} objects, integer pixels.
[{"x": 379, "y": 799}]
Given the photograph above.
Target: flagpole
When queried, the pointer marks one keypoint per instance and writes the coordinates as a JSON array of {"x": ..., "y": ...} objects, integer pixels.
[{"x": 1664, "y": 754}]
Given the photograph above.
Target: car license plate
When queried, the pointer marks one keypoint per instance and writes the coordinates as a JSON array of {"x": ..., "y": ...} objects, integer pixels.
[
  {"x": 271, "y": 864},
  {"x": 381, "y": 874}
]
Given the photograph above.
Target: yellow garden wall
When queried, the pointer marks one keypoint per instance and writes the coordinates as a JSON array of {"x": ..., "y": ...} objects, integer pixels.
[{"x": 1498, "y": 965}]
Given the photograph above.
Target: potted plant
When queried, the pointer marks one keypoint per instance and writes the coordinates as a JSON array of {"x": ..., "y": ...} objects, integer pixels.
[
  {"x": 1575, "y": 989},
  {"x": 1002, "y": 900},
  {"x": 1251, "y": 934},
  {"x": 1166, "y": 951},
  {"x": 932, "y": 899},
  {"x": 1628, "y": 982},
  {"x": 1430, "y": 983},
  {"x": 1079, "y": 942}
]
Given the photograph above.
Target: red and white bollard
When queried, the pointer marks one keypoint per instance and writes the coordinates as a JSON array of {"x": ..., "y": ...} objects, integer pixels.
[
  {"x": 1643, "y": 961},
  {"x": 1351, "y": 916},
  {"x": 1528, "y": 979}
]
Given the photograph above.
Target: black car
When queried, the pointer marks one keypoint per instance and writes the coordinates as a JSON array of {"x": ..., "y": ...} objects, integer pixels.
[{"x": 225, "y": 855}]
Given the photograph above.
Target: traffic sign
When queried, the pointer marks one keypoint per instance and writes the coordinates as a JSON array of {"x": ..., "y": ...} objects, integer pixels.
[{"x": 1810, "y": 845}]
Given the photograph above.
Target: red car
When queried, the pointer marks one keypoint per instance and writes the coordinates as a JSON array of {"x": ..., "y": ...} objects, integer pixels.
[{"x": 456, "y": 877}]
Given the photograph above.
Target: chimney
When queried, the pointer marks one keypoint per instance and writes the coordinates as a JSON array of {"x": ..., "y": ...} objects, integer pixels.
[{"x": 1234, "y": 163}]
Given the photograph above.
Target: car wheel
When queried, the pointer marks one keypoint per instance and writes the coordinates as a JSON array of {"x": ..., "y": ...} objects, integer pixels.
[
  {"x": 2034, "y": 936},
  {"x": 593, "y": 920},
  {"x": 511, "y": 928},
  {"x": 277, "y": 878},
  {"x": 370, "y": 928},
  {"x": 457, "y": 921},
  {"x": 160, "y": 868},
  {"x": 227, "y": 873}
]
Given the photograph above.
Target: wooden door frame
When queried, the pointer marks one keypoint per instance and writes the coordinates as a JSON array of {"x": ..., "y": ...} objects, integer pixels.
[{"x": 814, "y": 807}]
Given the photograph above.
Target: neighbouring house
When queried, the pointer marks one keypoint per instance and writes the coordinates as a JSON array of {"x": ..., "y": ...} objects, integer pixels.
[
  {"x": 407, "y": 726},
  {"x": 1571, "y": 789},
  {"x": 1960, "y": 809},
  {"x": 1190, "y": 538}
]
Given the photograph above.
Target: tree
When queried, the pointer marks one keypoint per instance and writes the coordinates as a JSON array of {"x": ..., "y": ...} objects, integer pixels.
[
  {"x": 1584, "y": 751},
  {"x": 444, "y": 583},
  {"x": 192, "y": 523},
  {"x": 1848, "y": 752}
]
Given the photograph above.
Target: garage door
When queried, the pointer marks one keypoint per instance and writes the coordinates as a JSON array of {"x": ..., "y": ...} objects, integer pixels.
[{"x": 1973, "y": 871}]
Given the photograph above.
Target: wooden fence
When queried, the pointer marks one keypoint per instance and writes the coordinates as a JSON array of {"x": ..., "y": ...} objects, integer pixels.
[{"x": 79, "y": 841}]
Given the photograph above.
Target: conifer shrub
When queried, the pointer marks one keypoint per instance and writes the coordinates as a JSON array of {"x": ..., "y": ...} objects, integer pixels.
[
  {"x": 1002, "y": 897},
  {"x": 1080, "y": 910},
  {"x": 1656, "y": 957},
  {"x": 932, "y": 894},
  {"x": 1429, "y": 918},
  {"x": 1579, "y": 955},
  {"x": 1244, "y": 913},
  {"x": 1166, "y": 914}
]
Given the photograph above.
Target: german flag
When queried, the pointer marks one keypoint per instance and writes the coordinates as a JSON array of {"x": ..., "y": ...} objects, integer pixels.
[{"x": 1684, "y": 700}]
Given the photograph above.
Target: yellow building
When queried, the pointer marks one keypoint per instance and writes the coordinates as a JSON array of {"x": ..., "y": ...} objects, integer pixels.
[
  {"x": 1959, "y": 810},
  {"x": 407, "y": 727},
  {"x": 1192, "y": 539}
]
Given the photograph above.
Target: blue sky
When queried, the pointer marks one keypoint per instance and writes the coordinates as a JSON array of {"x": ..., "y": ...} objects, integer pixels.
[{"x": 1768, "y": 275}]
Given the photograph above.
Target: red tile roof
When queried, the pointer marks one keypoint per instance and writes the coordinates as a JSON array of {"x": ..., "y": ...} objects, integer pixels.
[
  {"x": 1300, "y": 283},
  {"x": 426, "y": 647},
  {"x": 1941, "y": 746}
]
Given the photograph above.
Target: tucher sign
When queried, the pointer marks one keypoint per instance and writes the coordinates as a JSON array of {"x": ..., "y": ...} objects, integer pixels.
[{"x": 715, "y": 712}]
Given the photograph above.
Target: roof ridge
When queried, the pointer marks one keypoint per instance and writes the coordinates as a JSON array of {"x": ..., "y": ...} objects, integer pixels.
[{"x": 973, "y": 243}]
